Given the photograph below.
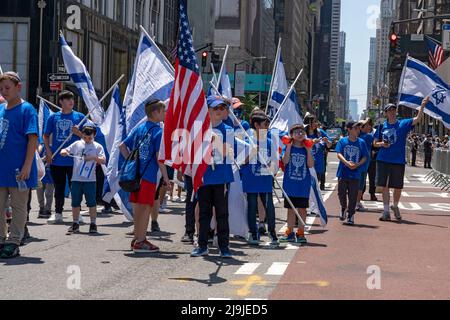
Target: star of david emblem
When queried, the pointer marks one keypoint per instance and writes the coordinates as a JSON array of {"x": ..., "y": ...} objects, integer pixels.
[{"x": 439, "y": 94}]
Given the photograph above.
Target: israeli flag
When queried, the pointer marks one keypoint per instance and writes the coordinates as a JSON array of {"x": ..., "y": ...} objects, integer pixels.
[
  {"x": 44, "y": 114},
  {"x": 317, "y": 205},
  {"x": 289, "y": 115},
  {"x": 419, "y": 81},
  {"x": 114, "y": 130},
  {"x": 80, "y": 76},
  {"x": 153, "y": 78}
]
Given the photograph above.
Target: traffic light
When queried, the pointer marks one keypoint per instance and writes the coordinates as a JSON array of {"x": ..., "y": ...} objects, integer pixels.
[
  {"x": 395, "y": 50},
  {"x": 205, "y": 58}
]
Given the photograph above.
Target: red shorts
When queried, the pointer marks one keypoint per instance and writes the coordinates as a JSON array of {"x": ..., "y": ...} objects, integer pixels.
[{"x": 146, "y": 196}]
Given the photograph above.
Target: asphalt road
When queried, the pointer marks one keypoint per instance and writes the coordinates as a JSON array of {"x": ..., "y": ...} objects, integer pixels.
[{"x": 412, "y": 257}]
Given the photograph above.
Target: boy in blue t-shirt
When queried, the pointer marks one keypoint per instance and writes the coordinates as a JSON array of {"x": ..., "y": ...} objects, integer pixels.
[
  {"x": 298, "y": 159},
  {"x": 147, "y": 138},
  {"x": 18, "y": 172},
  {"x": 352, "y": 154},
  {"x": 214, "y": 192},
  {"x": 60, "y": 126},
  {"x": 257, "y": 180}
]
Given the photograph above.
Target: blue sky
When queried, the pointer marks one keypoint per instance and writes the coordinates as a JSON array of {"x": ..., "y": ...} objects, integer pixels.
[{"x": 358, "y": 18}]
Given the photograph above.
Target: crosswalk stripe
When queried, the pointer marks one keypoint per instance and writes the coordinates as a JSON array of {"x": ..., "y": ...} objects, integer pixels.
[
  {"x": 248, "y": 269},
  {"x": 277, "y": 269}
]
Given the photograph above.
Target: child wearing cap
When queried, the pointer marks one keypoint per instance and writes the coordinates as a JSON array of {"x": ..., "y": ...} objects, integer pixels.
[
  {"x": 214, "y": 192},
  {"x": 86, "y": 154},
  {"x": 297, "y": 182},
  {"x": 352, "y": 154},
  {"x": 257, "y": 180},
  {"x": 18, "y": 172}
]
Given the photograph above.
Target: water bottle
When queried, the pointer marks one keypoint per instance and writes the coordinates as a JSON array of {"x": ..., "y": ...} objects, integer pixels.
[{"x": 22, "y": 185}]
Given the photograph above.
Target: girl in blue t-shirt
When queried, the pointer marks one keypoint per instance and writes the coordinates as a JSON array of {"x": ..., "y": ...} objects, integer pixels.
[
  {"x": 257, "y": 180},
  {"x": 297, "y": 182}
]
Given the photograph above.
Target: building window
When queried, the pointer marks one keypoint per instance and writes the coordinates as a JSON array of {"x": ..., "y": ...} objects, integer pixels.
[
  {"x": 14, "y": 41},
  {"x": 97, "y": 69}
]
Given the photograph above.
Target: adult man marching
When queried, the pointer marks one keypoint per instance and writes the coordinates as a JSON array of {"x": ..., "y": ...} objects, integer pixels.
[{"x": 391, "y": 163}]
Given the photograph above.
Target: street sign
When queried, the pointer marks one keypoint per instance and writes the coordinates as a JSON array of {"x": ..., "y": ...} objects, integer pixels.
[
  {"x": 60, "y": 77},
  {"x": 446, "y": 37},
  {"x": 56, "y": 86},
  {"x": 62, "y": 69}
]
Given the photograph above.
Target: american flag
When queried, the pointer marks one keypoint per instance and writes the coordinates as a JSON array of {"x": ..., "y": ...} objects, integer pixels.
[
  {"x": 435, "y": 52},
  {"x": 188, "y": 111}
]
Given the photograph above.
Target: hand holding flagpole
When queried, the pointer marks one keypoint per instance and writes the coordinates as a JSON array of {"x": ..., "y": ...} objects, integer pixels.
[
  {"x": 99, "y": 105},
  {"x": 261, "y": 158}
]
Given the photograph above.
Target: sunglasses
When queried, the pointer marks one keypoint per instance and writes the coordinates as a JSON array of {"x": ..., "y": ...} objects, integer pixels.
[{"x": 299, "y": 132}]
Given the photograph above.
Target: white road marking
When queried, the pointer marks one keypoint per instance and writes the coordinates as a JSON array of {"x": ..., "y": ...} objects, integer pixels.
[
  {"x": 277, "y": 269},
  {"x": 248, "y": 269}
]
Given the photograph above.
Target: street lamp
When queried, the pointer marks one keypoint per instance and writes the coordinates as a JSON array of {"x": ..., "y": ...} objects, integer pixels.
[
  {"x": 41, "y": 5},
  {"x": 242, "y": 62}
]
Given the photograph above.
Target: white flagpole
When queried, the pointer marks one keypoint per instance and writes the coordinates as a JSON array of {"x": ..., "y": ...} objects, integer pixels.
[
  {"x": 99, "y": 105},
  {"x": 288, "y": 96},
  {"x": 225, "y": 56},
  {"x": 263, "y": 160},
  {"x": 49, "y": 103},
  {"x": 214, "y": 74},
  {"x": 153, "y": 42},
  {"x": 273, "y": 74},
  {"x": 1, "y": 70}
]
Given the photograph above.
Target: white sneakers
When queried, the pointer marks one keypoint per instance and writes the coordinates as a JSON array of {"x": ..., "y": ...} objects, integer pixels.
[{"x": 55, "y": 218}]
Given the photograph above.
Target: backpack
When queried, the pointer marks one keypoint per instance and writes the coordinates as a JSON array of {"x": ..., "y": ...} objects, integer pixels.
[{"x": 130, "y": 175}]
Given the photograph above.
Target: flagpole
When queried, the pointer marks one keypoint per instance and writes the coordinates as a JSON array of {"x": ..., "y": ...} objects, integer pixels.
[
  {"x": 214, "y": 74},
  {"x": 288, "y": 96},
  {"x": 89, "y": 113},
  {"x": 263, "y": 160},
  {"x": 153, "y": 42},
  {"x": 1, "y": 70},
  {"x": 49, "y": 103},
  {"x": 222, "y": 69},
  {"x": 273, "y": 74}
]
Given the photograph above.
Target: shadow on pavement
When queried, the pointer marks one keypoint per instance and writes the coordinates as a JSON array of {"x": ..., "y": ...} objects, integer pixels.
[{"x": 21, "y": 261}]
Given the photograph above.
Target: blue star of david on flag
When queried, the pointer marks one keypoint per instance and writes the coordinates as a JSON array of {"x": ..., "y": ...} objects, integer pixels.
[{"x": 439, "y": 94}]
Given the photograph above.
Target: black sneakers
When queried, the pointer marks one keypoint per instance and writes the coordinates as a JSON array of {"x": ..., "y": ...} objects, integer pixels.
[
  {"x": 93, "y": 228},
  {"x": 155, "y": 226},
  {"x": 343, "y": 215},
  {"x": 75, "y": 228},
  {"x": 9, "y": 251},
  {"x": 188, "y": 238}
]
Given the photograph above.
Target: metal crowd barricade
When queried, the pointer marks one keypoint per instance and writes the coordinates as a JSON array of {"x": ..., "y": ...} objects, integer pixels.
[{"x": 440, "y": 175}]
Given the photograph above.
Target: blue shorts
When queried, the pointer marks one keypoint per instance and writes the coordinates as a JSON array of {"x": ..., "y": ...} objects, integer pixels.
[
  {"x": 362, "y": 181},
  {"x": 88, "y": 189}
]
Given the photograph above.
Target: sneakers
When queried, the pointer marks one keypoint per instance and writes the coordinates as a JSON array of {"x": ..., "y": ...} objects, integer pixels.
[
  {"x": 274, "y": 240},
  {"x": 253, "y": 240},
  {"x": 226, "y": 254},
  {"x": 301, "y": 239},
  {"x": 262, "y": 230},
  {"x": 386, "y": 217},
  {"x": 145, "y": 247},
  {"x": 44, "y": 214},
  {"x": 343, "y": 215},
  {"x": 55, "y": 219},
  {"x": 74, "y": 229},
  {"x": 133, "y": 242},
  {"x": 361, "y": 208},
  {"x": 155, "y": 226},
  {"x": 9, "y": 251},
  {"x": 93, "y": 229},
  {"x": 188, "y": 238},
  {"x": 199, "y": 252},
  {"x": 288, "y": 237},
  {"x": 397, "y": 214},
  {"x": 351, "y": 221}
]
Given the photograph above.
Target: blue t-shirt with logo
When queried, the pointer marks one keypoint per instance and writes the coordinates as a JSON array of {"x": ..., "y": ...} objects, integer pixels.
[
  {"x": 257, "y": 178},
  {"x": 352, "y": 151},
  {"x": 297, "y": 178},
  {"x": 60, "y": 126},
  {"x": 396, "y": 134},
  {"x": 368, "y": 139},
  {"x": 149, "y": 146},
  {"x": 223, "y": 171},
  {"x": 318, "y": 152},
  {"x": 16, "y": 125}
]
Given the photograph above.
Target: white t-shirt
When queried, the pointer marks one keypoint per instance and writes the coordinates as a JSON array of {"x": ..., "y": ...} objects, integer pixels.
[{"x": 84, "y": 171}]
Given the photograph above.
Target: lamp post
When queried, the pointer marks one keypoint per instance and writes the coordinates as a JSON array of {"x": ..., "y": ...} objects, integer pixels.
[
  {"x": 242, "y": 62},
  {"x": 41, "y": 5}
]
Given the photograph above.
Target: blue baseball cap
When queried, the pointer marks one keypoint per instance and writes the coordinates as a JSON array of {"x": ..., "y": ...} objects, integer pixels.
[{"x": 215, "y": 101}]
